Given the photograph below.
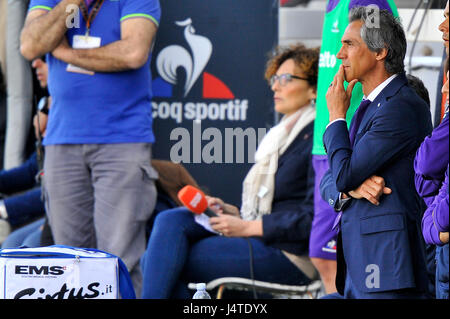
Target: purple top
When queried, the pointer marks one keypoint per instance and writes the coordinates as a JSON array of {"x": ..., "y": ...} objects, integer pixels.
[
  {"x": 431, "y": 160},
  {"x": 382, "y": 4},
  {"x": 435, "y": 218}
]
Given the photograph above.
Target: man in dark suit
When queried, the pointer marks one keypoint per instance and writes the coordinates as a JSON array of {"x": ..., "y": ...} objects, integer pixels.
[{"x": 370, "y": 182}]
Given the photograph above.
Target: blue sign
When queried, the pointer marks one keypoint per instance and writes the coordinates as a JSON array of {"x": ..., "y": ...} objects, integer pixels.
[{"x": 211, "y": 103}]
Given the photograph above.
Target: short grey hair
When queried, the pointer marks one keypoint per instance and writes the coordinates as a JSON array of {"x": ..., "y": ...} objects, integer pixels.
[{"x": 388, "y": 34}]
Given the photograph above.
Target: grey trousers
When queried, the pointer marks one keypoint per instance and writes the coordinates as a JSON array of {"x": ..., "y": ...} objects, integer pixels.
[{"x": 100, "y": 196}]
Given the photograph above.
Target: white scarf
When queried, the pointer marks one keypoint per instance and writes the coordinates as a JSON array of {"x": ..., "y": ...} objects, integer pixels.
[{"x": 259, "y": 184}]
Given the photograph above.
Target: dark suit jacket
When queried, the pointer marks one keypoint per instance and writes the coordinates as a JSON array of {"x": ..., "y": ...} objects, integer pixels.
[
  {"x": 385, "y": 237},
  {"x": 288, "y": 225}
]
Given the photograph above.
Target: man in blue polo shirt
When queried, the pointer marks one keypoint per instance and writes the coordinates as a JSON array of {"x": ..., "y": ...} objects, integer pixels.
[{"x": 99, "y": 183}]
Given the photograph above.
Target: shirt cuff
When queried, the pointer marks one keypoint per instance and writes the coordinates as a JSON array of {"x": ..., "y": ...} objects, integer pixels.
[
  {"x": 341, "y": 203},
  {"x": 40, "y": 7},
  {"x": 340, "y": 119},
  {"x": 140, "y": 15}
]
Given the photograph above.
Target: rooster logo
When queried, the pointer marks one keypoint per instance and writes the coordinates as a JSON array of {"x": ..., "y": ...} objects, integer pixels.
[{"x": 175, "y": 56}]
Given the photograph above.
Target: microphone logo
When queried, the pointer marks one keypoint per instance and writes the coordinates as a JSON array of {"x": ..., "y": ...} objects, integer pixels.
[{"x": 197, "y": 198}]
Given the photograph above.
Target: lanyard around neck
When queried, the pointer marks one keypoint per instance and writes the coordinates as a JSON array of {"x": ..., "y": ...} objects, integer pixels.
[{"x": 89, "y": 18}]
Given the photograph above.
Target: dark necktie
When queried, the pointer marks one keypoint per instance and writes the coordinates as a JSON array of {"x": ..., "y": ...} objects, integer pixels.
[
  {"x": 88, "y": 3},
  {"x": 357, "y": 119}
]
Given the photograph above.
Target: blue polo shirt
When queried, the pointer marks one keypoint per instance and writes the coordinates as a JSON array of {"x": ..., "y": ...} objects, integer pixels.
[{"x": 102, "y": 108}]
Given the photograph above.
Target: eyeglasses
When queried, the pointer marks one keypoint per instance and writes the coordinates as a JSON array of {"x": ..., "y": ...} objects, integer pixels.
[{"x": 284, "y": 79}]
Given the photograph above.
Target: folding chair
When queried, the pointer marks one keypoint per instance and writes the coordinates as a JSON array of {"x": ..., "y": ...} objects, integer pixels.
[{"x": 278, "y": 291}]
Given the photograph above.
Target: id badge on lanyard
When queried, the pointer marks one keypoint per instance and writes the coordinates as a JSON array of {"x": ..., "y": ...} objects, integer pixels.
[
  {"x": 83, "y": 42},
  {"x": 86, "y": 41}
]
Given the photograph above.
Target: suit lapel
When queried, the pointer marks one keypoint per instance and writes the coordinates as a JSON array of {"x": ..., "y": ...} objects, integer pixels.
[{"x": 390, "y": 90}]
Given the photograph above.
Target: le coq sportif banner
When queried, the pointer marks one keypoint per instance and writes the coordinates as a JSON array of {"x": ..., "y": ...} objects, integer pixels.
[{"x": 211, "y": 104}]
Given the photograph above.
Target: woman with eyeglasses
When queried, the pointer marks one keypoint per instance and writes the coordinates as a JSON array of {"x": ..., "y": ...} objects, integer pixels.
[{"x": 267, "y": 238}]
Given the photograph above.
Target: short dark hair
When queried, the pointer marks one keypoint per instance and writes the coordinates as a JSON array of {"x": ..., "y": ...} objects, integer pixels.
[
  {"x": 388, "y": 34},
  {"x": 415, "y": 83}
]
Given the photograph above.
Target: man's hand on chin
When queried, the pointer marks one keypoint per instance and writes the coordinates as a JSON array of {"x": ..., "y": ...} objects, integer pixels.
[{"x": 338, "y": 98}]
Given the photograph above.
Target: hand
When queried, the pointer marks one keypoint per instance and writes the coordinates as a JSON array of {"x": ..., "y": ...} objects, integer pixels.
[
  {"x": 444, "y": 237},
  {"x": 62, "y": 51},
  {"x": 220, "y": 207},
  {"x": 232, "y": 226},
  {"x": 371, "y": 189},
  {"x": 338, "y": 99},
  {"x": 40, "y": 125}
]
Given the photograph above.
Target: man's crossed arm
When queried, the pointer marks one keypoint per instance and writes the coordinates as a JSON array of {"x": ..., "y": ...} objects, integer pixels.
[{"x": 44, "y": 32}]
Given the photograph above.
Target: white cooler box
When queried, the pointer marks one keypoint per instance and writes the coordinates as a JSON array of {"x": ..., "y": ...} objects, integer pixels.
[{"x": 61, "y": 272}]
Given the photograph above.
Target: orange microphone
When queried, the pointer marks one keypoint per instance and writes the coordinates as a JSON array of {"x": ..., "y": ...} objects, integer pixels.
[{"x": 195, "y": 200}]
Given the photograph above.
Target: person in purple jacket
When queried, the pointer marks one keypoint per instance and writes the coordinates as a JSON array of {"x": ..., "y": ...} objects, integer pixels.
[
  {"x": 435, "y": 219},
  {"x": 432, "y": 157},
  {"x": 431, "y": 179},
  {"x": 436, "y": 231},
  {"x": 432, "y": 169}
]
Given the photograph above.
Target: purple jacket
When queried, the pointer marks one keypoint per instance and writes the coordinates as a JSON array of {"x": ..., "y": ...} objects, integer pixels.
[
  {"x": 435, "y": 218},
  {"x": 382, "y": 4},
  {"x": 431, "y": 161}
]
